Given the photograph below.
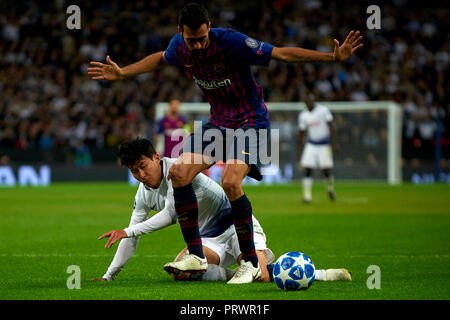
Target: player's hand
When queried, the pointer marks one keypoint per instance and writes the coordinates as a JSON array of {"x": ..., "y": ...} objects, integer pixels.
[
  {"x": 114, "y": 236},
  {"x": 350, "y": 45},
  {"x": 99, "y": 279},
  {"x": 109, "y": 71}
]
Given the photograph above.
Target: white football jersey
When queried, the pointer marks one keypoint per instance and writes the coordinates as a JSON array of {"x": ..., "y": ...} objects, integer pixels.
[
  {"x": 213, "y": 208},
  {"x": 315, "y": 122},
  {"x": 212, "y": 202}
]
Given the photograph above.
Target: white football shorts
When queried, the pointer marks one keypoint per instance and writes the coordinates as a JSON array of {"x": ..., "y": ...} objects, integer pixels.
[
  {"x": 317, "y": 156},
  {"x": 226, "y": 245}
]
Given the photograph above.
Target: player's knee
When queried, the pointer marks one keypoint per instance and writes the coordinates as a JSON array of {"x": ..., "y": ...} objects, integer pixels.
[
  {"x": 179, "y": 174},
  {"x": 231, "y": 186}
]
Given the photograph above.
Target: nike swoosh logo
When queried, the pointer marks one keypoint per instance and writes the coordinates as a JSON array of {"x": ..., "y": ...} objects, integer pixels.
[
  {"x": 188, "y": 65},
  {"x": 243, "y": 152}
]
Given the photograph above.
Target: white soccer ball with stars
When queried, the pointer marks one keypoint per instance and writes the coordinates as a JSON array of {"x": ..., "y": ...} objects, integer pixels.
[{"x": 293, "y": 271}]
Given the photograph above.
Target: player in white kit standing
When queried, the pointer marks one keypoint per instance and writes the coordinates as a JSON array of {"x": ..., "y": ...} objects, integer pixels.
[{"x": 316, "y": 123}]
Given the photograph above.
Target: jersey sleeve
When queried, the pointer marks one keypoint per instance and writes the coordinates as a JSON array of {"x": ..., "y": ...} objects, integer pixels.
[
  {"x": 171, "y": 52},
  {"x": 160, "y": 128},
  {"x": 128, "y": 246},
  {"x": 327, "y": 114},
  {"x": 247, "y": 49},
  {"x": 159, "y": 221},
  {"x": 302, "y": 125},
  {"x": 162, "y": 219}
]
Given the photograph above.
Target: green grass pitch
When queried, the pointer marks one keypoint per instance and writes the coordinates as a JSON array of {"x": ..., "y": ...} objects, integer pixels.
[{"x": 405, "y": 230}]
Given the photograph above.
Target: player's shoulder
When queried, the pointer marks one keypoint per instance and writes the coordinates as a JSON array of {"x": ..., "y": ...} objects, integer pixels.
[
  {"x": 222, "y": 32},
  {"x": 176, "y": 41},
  {"x": 167, "y": 164},
  {"x": 226, "y": 35},
  {"x": 162, "y": 120},
  {"x": 183, "y": 118},
  {"x": 177, "y": 37},
  {"x": 303, "y": 113},
  {"x": 321, "y": 107}
]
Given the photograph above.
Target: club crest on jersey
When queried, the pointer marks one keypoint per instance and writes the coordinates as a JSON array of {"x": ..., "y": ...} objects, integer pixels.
[
  {"x": 219, "y": 68},
  {"x": 252, "y": 43}
]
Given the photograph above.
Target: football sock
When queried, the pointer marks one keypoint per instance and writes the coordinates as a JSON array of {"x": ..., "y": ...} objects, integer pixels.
[
  {"x": 242, "y": 218},
  {"x": 186, "y": 206},
  {"x": 214, "y": 273},
  {"x": 319, "y": 275},
  {"x": 270, "y": 269},
  {"x": 307, "y": 185}
]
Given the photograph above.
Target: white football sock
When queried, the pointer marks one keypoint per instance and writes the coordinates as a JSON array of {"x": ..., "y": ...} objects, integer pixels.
[
  {"x": 214, "y": 273},
  {"x": 319, "y": 275},
  {"x": 307, "y": 185}
]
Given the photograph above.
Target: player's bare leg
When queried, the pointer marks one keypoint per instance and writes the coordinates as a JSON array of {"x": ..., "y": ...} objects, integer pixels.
[
  {"x": 233, "y": 174},
  {"x": 187, "y": 166},
  {"x": 182, "y": 172},
  {"x": 307, "y": 185},
  {"x": 330, "y": 184}
]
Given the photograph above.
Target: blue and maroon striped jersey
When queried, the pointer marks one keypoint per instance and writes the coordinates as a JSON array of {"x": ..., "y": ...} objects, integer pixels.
[{"x": 224, "y": 75}]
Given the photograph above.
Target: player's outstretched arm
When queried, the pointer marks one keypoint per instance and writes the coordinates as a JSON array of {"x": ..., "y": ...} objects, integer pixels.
[
  {"x": 111, "y": 71},
  {"x": 291, "y": 54}
]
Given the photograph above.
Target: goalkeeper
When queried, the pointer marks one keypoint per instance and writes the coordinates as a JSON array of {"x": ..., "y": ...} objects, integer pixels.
[{"x": 219, "y": 239}]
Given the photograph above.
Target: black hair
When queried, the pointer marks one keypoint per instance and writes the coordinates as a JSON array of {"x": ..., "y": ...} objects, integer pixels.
[
  {"x": 193, "y": 15},
  {"x": 131, "y": 151}
]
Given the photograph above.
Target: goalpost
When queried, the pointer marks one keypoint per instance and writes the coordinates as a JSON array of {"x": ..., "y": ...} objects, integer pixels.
[{"x": 368, "y": 134}]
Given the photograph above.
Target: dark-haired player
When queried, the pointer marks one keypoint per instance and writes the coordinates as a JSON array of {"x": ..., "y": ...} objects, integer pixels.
[{"x": 219, "y": 60}]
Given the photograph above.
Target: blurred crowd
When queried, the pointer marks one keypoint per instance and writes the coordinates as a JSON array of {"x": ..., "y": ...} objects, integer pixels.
[{"x": 48, "y": 102}]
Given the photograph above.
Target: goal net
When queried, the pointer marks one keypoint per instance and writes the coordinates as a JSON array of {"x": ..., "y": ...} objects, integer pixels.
[{"x": 368, "y": 135}]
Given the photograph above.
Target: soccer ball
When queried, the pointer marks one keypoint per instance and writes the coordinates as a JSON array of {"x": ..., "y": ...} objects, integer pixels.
[{"x": 294, "y": 271}]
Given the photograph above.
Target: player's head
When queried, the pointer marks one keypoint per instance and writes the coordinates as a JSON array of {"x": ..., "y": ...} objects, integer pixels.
[
  {"x": 194, "y": 27},
  {"x": 309, "y": 101},
  {"x": 174, "y": 106},
  {"x": 141, "y": 158}
]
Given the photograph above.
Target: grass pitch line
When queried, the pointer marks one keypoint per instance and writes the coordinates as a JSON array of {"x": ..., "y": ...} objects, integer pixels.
[
  {"x": 58, "y": 255},
  {"x": 360, "y": 200}
]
